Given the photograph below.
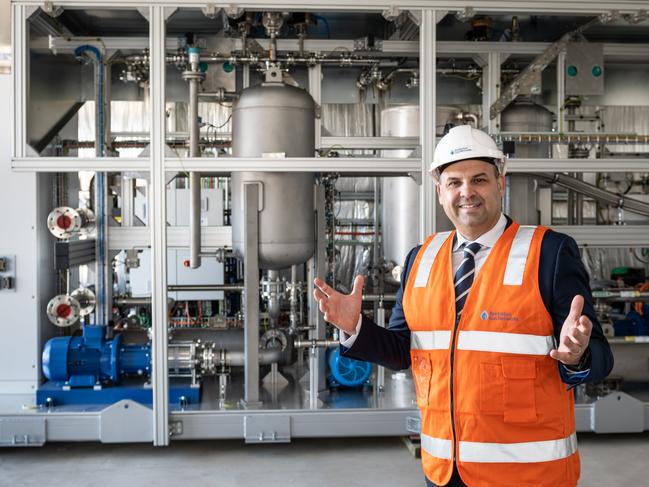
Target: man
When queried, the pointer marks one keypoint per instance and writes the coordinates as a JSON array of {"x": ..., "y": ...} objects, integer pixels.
[{"x": 495, "y": 319}]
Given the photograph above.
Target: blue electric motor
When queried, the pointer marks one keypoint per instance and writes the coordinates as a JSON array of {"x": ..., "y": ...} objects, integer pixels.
[
  {"x": 346, "y": 371},
  {"x": 90, "y": 359}
]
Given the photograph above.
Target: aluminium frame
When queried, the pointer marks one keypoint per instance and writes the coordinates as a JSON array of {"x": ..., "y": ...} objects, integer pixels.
[{"x": 157, "y": 164}]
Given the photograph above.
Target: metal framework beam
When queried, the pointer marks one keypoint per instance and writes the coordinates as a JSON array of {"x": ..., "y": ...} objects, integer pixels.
[
  {"x": 121, "y": 238},
  {"x": 296, "y": 164},
  {"x": 480, "y": 6},
  {"x": 158, "y": 230},
  {"x": 74, "y": 164},
  {"x": 607, "y": 235},
  {"x": 577, "y": 165},
  {"x": 377, "y": 143},
  {"x": 427, "y": 120}
]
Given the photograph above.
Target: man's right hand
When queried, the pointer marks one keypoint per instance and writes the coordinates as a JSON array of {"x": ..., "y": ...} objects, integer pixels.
[{"x": 341, "y": 310}]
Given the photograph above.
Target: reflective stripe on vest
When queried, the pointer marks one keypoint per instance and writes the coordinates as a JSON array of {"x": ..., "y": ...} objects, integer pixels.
[
  {"x": 515, "y": 262},
  {"x": 430, "y": 340},
  {"x": 528, "y": 452},
  {"x": 518, "y": 256},
  {"x": 532, "y": 451},
  {"x": 429, "y": 257},
  {"x": 483, "y": 341},
  {"x": 491, "y": 341},
  {"x": 436, "y": 447}
]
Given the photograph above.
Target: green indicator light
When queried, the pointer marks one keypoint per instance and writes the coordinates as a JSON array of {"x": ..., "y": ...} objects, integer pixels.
[
  {"x": 597, "y": 71},
  {"x": 227, "y": 67},
  {"x": 572, "y": 71}
]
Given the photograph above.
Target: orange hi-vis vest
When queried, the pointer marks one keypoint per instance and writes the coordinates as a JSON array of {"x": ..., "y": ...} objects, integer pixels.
[{"x": 490, "y": 395}]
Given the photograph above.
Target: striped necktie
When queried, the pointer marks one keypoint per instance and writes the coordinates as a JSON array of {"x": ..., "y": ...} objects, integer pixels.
[{"x": 464, "y": 275}]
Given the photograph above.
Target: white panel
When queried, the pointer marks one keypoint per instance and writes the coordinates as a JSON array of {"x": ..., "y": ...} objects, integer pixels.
[{"x": 24, "y": 199}]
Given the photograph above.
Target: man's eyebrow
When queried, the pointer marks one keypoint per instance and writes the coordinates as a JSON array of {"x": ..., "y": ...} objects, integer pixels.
[{"x": 455, "y": 178}]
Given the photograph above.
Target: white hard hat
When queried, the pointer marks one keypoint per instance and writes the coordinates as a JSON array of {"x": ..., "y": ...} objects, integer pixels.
[{"x": 465, "y": 142}]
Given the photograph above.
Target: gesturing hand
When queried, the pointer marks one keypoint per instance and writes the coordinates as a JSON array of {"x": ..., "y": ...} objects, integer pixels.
[
  {"x": 575, "y": 335},
  {"x": 341, "y": 310}
]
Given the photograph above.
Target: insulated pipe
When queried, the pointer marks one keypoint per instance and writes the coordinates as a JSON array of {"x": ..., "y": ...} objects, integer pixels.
[{"x": 601, "y": 195}]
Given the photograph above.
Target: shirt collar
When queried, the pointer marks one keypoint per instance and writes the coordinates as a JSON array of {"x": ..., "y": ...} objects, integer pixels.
[{"x": 487, "y": 239}]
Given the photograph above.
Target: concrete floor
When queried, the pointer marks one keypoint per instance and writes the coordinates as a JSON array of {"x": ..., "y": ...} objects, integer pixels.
[{"x": 349, "y": 462}]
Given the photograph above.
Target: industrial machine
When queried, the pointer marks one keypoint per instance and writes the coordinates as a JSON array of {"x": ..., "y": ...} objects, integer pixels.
[{"x": 176, "y": 176}]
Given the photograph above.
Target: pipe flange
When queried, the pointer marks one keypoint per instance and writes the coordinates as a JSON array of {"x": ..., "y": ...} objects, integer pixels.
[
  {"x": 273, "y": 338},
  {"x": 86, "y": 299},
  {"x": 207, "y": 362},
  {"x": 63, "y": 310},
  {"x": 190, "y": 75},
  {"x": 65, "y": 222}
]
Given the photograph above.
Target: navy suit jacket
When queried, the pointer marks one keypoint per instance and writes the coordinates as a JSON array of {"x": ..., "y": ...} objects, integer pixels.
[{"x": 561, "y": 277}]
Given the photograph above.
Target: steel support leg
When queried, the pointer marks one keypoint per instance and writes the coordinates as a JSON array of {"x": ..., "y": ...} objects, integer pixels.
[{"x": 251, "y": 298}]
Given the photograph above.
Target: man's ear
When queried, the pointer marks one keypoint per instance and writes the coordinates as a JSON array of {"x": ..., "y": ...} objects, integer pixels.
[{"x": 501, "y": 185}]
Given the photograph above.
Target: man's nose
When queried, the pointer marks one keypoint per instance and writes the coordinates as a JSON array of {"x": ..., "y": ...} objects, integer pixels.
[{"x": 467, "y": 190}]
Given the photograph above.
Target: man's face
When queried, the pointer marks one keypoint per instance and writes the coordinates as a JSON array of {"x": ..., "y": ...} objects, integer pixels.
[{"x": 471, "y": 194}]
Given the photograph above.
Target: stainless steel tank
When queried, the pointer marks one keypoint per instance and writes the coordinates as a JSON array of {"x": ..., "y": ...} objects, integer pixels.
[
  {"x": 275, "y": 118},
  {"x": 400, "y": 208},
  {"x": 525, "y": 116}
]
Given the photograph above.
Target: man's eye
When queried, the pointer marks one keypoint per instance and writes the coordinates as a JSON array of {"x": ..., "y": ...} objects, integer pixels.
[
  {"x": 479, "y": 180},
  {"x": 453, "y": 183}
]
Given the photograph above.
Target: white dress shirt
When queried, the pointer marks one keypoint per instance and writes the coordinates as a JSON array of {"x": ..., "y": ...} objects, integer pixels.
[{"x": 487, "y": 240}]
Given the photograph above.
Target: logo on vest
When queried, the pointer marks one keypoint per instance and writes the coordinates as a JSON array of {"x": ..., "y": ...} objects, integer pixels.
[{"x": 497, "y": 316}]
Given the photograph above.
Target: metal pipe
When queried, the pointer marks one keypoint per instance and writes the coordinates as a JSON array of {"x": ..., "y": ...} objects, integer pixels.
[
  {"x": 340, "y": 59},
  {"x": 379, "y": 297},
  {"x": 194, "y": 179},
  {"x": 568, "y": 137},
  {"x": 237, "y": 358},
  {"x": 621, "y": 295},
  {"x": 194, "y": 220},
  {"x": 206, "y": 287},
  {"x": 316, "y": 343},
  {"x": 273, "y": 298},
  {"x": 293, "y": 300},
  {"x": 220, "y": 95},
  {"x": 126, "y": 301},
  {"x": 616, "y": 200}
]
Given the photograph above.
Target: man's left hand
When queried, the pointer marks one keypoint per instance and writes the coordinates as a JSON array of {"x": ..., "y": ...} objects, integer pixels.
[{"x": 575, "y": 335}]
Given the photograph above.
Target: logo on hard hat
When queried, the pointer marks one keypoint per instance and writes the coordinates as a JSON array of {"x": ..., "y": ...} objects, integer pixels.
[
  {"x": 460, "y": 150},
  {"x": 484, "y": 315}
]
